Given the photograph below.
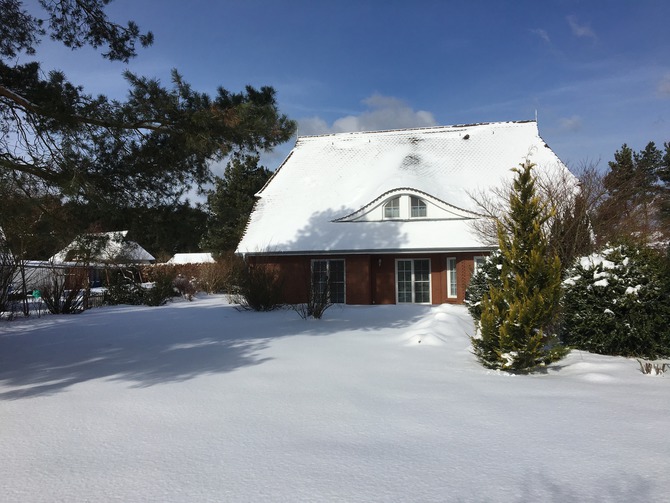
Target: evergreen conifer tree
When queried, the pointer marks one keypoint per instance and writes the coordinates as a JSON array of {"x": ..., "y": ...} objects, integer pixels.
[
  {"x": 231, "y": 202},
  {"x": 517, "y": 317},
  {"x": 636, "y": 195}
]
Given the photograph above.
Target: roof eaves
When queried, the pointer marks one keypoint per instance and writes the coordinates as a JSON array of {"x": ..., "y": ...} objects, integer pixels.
[{"x": 370, "y": 251}]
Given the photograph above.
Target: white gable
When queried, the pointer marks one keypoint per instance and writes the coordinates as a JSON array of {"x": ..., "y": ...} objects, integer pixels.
[{"x": 329, "y": 193}]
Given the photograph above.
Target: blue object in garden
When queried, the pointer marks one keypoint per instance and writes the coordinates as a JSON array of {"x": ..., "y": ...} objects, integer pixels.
[{"x": 36, "y": 294}]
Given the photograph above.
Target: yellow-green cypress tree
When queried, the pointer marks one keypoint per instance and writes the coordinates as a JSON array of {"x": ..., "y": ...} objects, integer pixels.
[{"x": 517, "y": 317}]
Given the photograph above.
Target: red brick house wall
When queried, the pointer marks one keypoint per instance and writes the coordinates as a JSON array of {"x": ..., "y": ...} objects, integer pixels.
[{"x": 370, "y": 278}]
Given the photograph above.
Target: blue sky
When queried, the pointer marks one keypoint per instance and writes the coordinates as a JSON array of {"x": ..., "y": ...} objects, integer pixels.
[{"x": 596, "y": 72}]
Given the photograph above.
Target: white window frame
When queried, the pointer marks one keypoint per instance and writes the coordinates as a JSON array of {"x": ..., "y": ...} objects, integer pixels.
[
  {"x": 394, "y": 206},
  {"x": 452, "y": 278},
  {"x": 420, "y": 207},
  {"x": 328, "y": 262},
  {"x": 413, "y": 281},
  {"x": 476, "y": 260}
]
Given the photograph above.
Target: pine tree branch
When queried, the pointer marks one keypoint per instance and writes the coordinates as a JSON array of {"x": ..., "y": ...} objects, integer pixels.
[{"x": 29, "y": 107}]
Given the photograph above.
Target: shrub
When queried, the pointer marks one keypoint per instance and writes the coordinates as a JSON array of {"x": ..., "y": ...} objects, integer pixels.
[
  {"x": 162, "y": 289},
  {"x": 258, "y": 287},
  {"x": 318, "y": 300},
  {"x": 185, "y": 287},
  {"x": 124, "y": 289},
  {"x": 214, "y": 278},
  {"x": 616, "y": 302},
  {"x": 62, "y": 294}
]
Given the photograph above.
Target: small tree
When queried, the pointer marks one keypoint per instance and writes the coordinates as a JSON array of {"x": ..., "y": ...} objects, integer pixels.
[{"x": 517, "y": 318}]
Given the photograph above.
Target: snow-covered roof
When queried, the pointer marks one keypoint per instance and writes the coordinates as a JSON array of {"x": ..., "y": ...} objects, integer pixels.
[
  {"x": 104, "y": 247},
  {"x": 328, "y": 194},
  {"x": 191, "y": 258}
]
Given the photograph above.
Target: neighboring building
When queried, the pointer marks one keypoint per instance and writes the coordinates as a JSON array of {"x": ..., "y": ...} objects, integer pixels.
[
  {"x": 103, "y": 248},
  {"x": 385, "y": 216},
  {"x": 89, "y": 255},
  {"x": 191, "y": 258},
  {"x": 94, "y": 254}
]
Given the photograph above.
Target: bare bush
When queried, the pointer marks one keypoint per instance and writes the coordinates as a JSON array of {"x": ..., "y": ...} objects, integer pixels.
[
  {"x": 63, "y": 292},
  {"x": 186, "y": 287},
  {"x": 318, "y": 296},
  {"x": 258, "y": 287},
  {"x": 215, "y": 278},
  {"x": 7, "y": 270}
]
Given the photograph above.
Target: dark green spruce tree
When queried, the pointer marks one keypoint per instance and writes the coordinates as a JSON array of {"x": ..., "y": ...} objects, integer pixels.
[
  {"x": 231, "y": 202},
  {"x": 518, "y": 316}
]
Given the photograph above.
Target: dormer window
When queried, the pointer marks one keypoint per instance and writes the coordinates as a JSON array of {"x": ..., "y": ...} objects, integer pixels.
[
  {"x": 418, "y": 208},
  {"x": 392, "y": 208}
]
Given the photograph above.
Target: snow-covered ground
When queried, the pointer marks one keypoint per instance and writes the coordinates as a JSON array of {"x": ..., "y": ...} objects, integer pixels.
[{"x": 199, "y": 402}]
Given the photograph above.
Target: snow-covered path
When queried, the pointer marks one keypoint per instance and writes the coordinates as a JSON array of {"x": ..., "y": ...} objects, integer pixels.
[{"x": 199, "y": 402}]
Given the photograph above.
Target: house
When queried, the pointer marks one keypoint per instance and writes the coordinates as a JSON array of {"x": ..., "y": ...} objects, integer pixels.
[
  {"x": 103, "y": 248},
  {"x": 386, "y": 216},
  {"x": 94, "y": 253}
]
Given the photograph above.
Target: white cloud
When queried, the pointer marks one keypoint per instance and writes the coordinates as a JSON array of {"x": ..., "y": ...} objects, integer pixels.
[
  {"x": 312, "y": 125},
  {"x": 664, "y": 85},
  {"x": 580, "y": 30},
  {"x": 542, "y": 34},
  {"x": 573, "y": 123},
  {"x": 383, "y": 112}
]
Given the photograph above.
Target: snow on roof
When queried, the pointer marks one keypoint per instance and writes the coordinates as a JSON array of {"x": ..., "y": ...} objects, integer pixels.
[
  {"x": 106, "y": 247},
  {"x": 191, "y": 258},
  {"x": 328, "y": 177}
]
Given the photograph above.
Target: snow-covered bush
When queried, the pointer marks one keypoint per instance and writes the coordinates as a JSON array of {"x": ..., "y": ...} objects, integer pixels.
[
  {"x": 617, "y": 302},
  {"x": 482, "y": 280}
]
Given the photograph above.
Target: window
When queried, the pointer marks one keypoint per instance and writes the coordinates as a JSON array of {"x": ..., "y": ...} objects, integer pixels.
[
  {"x": 479, "y": 262},
  {"x": 452, "y": 291},
  {"x": 418, "y": 208},
  {"x": 413, "y": 281},
  {"x": 392, "y": 208},
  {"x": 328, "y": 277}
]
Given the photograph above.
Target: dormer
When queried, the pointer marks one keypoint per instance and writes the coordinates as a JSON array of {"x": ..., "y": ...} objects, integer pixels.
[
  {"x": 406, "y": 204},
  {"x": 404, "y": 207}
]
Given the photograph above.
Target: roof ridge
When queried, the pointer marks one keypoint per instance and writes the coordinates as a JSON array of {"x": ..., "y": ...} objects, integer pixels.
[{"x": 422, "y": 128}]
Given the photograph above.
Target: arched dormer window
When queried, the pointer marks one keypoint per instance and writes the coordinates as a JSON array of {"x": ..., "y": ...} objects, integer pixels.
[
  {"x": 392, "y": 208},
  {"x": 418, "y": 208}
]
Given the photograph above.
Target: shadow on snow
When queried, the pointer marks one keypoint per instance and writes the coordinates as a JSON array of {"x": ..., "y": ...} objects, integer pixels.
[{"x": 149, "y": 346}]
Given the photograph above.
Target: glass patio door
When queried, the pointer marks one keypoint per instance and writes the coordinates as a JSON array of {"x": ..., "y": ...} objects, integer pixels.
[{"x": 413, "y": 281}]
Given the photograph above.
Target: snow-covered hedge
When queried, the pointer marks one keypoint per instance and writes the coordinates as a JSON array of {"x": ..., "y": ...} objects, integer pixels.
[{"x": 617, "y": 302}]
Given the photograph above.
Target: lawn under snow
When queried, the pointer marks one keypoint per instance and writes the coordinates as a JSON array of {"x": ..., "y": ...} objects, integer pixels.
[{"x": 199, "y": 402}]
